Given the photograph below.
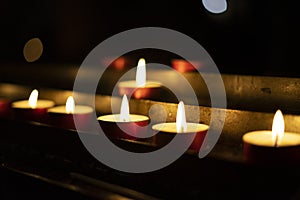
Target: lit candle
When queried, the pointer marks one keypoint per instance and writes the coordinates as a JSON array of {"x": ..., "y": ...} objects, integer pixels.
[
  {"x": 63, "y": 116},
  {"x": 181, "y": 65},
  {"x": 166, "y": 131},
  {"x": 270, "y": 147},
  {"x": 140, "y": 88},
  {"x": 124, "y": 125},
  {"x": 33, "y": 109}
]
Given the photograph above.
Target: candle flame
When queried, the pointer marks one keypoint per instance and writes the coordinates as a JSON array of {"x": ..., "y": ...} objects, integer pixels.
[
  {"x": 180, "y": 118},
  {"x": 70, "y": 105},
  {"x": 33, "y": 98},
  {"x": 277, "y": 128},
  {"x": 124, "y": 113},
  {"x": 141, "y": 73}
]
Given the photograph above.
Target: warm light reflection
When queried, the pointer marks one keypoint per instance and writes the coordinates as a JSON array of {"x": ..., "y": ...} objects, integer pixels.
[
  {"x": 141, "y": 73},
  {"x": 124, "y": 113},
  {"x": 70, "y": 105},
  {"x": 277, "y": 128},
  {"x": 33, "y": 98},
  {"x": 33, "y": 50},
  {"x": 180, "y": 118}
]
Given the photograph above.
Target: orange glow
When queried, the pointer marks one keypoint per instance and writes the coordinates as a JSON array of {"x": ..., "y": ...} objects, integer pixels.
[
  {"x": 119, "y": 63},
  {"x": 182, "y": 66}
]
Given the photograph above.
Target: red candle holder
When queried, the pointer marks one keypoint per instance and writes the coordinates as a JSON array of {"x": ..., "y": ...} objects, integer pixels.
[
  {"x": 276, "y": 147},
  {"x": 259, "y": 149},
  {"x": 59, "y": 117},
  {"x": 24, "y": 112},
  {"x": 167, "y": 131},
  {"x": 5, "y": 109},
  {"x": 150, "y": 90},
  {"x": 132, "y": 130}
]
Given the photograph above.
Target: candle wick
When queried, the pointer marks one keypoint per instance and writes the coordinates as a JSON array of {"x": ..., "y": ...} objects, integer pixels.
[{"x": 276, "y": 141}]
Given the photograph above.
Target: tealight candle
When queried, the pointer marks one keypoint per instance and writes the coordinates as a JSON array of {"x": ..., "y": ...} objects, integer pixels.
[
  {"x": 166, "y": 131},
  {"x": 272, "y": 147},
  {"x": 5, "y": 109},
  {"x": 63, "y": 116},
  {"x": 33, "y": 109},
  {"x": 182, "y": 66},
  {"x": 140, "y": 88},
  {"x": 124, "y": 125}
]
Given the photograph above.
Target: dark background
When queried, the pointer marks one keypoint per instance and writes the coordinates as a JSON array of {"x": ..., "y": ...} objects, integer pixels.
[{"x": 251, "y": 37}]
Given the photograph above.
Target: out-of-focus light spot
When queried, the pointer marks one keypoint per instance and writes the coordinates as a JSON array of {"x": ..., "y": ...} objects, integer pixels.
[
  {"x": 33, "y": 50},
  {"x": 215, "y": 6},
  {"x": 118, "y": 64}
]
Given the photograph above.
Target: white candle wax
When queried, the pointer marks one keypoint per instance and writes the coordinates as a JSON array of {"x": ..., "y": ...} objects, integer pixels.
[
  {"x": 117, "y": 118},
  {"x": 170, "y": 127},
  {"x": 132, "y": 84},
  {"x": 79, "y": 109}
]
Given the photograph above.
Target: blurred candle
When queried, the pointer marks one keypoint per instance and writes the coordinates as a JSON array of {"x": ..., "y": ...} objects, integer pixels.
[
  {"x": 33, "y": 109},
  {"x": 182, "y": 65},
  {"x": 140, "y": 88},
  {"x": 63, "y": 116},
  {"x": 272, "y": 147},
  {"x": 117, "y": 64},
  {"x": 166, "y": 131},
  {"x": 124, "y": 125}
]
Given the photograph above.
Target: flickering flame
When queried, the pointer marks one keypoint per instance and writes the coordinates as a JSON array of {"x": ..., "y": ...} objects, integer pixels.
[
  {"x": 180, "y": 118},
  {"x": 124, "y": 113},
  {"x": 277, "y": 128},
  {"x": 70, "y": 105},
  {"x": 33, "y": 98},
  {"x": 141, "y": 73}
]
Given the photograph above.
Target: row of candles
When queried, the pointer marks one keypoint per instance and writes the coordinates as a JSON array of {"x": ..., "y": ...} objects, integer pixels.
[
  {"x": 122, "y": 125},
  {"x": 262, "y": 146}
]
